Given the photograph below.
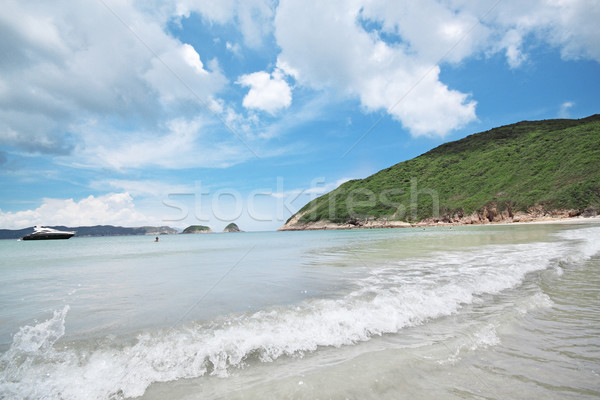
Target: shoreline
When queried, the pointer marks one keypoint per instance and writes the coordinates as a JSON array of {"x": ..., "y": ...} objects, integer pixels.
[{"x": 384, "y": 224}]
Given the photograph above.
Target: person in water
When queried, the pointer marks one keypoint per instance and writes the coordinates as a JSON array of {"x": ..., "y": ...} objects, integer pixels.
[{"x": 156, "y": 240}]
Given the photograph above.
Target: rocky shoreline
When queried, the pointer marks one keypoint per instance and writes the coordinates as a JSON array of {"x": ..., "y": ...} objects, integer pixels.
[{"x": 487, "y": 216}]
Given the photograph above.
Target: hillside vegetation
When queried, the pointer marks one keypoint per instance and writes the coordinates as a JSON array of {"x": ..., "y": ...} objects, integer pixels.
[{"x": 544, "y": 165}]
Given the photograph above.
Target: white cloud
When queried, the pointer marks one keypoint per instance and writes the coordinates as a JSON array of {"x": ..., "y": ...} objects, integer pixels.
[
  {"x": 565, "y": 108},
  {"x": 112, "y": 209},
  {"x": 183, "y": 144},
  {"x": 67, "y": 67},
  {"x": 512, "y": 42},
  {"x": 233, "y": 48},
  {"x": 67, "y": 63},
  {"x": 428, "y": 29},
  {"x": 324, "y": 46},
  {"x": 268, "y": 92},
  {"x": 78, "y": 83},
  {"x": 385, "y": 52},
  {"x": 314, "y": 109},
  {"x": 220, "y": 12},
  {"x": 571, "y": 25},
  {"x": 179, "y": 75},
  {"x": 143, "y": 188},
  {"x": 253, "y": 17}
]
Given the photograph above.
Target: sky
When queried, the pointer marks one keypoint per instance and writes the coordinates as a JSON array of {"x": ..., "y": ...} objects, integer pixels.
[{"x": 185, "y": 112}]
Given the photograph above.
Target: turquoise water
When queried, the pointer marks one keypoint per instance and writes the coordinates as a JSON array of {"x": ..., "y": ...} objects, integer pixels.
[{"x": 470, "y": 312}]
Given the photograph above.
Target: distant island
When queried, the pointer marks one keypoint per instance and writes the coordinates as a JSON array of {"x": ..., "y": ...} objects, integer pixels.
[
  {"x": 521, "y": 172},
  {"x": 109, "y": 230},
  {"x": 97, "y": 230},
  {"x": 232, "y": 228},
  {"x": 197, "y": 229}
]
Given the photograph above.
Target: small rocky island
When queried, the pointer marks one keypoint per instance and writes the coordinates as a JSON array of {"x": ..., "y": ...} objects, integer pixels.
[
  {"x": 197, "y": 229},
  {"x": 232, "y": 227}
]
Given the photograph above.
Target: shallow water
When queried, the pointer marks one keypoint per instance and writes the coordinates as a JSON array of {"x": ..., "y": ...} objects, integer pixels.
[{"x": 469, "y": 312}]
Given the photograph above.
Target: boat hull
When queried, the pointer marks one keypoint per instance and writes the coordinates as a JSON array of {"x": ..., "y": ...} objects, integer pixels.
[{"x": 47, "y": 236}]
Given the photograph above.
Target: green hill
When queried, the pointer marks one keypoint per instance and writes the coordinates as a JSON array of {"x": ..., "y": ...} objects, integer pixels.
[{"x": 540, "y": 167}]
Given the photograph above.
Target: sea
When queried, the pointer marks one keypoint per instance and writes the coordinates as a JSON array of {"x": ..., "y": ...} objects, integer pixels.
[{"x": 469, "y": 312}]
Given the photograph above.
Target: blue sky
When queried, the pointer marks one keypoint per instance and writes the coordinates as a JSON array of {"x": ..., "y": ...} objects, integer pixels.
[{"x": 199, "y": 112}]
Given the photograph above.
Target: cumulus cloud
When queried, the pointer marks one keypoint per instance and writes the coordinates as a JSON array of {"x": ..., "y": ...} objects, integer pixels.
[
  {"x": 145, "y": 188},
  {"x": 67, "y": 67},
  {"x": 114, "y": 209},
  {"x": 426, "y": 29},
  {"x": 565, "y": 108},
  {"x": 268, "y": 92},
  {"x": 182, "y": 143},
  {"x": 512, "y": 43},
  {"x": 179, "y": 75},
  {"x": 333, "y": 50},
  {"x": 389, "y": 54},
  {"x": 65, "y": 64},
  {"x": 253, "y": 17},
  {"x": 233, "y": 48},
  {"x": 568, "y": 25}
]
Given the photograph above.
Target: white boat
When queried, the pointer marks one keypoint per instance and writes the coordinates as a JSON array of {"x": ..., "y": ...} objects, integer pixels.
[{"x": 43, "y": 233}]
